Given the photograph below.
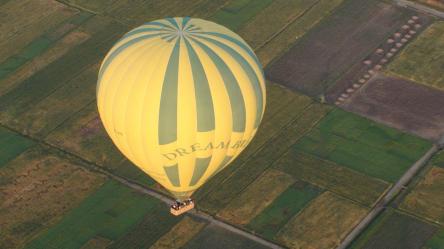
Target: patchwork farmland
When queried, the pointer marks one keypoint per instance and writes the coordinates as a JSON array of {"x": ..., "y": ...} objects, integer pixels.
[{"x": 320, "y": 162}]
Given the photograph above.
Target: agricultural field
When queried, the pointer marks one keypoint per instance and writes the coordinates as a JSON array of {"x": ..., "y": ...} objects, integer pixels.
[
  {"x": 180, "y": 234},
  {"x": 416, "y": 214},
  {"x": 427, "y": 198},
  {"x": 57, "y": 75},
  {"x": 363, "y": 146},
  {"x": 438, "y": 160},
  {"x": 150, "y": 228},
  {"x": 217, "y": 238},
  {"x": 286, "y": 36},
  {"x": 246, "y": 206},
  {"x": 313, "y": 67},
  {"x": 401, "y": 104},
  {"x": 111, "y": 212},
  {"x": 34, "y": 18},
  {"x": 396, "y": 230},
  {"x": 268, "y": 222},
  {"x": 422, "y": 60},
  {"x": 37, "y": 189},
  {"x": 353, "y": 81},
  {"x": 12, "y": 145},
  {"x": 311, "y": 173},
  {"x": 322, "y": 224},
  {"x": 84, "y": 135},
  {"x": 436, "y": 242},
  {"x": 234, "y": 14},
  {"x": 137, "y": 12},
  {"x": 328, "y": 175}
]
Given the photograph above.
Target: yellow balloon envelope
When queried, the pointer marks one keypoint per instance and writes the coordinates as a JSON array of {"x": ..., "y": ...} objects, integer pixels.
[{"x": 181, "y": 98}]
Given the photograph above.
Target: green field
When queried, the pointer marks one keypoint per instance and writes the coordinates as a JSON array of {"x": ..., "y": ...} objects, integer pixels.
[
  {"x": 438, "y": 160},
  {"x": 12, "y": 145},
  {"x": 150, "y": 228},
  {"x": 217, "y": 238},
  {"x": 423, "y": 60},
  {"x": 437, "y": 241},
  {"x": 236, "y": 13},
  {"x": 285, "y": 206},
  {"x": 331, "y": 176},
  {"x": 110, "y": 212},
  {"x": 362, "y": 145},
  {"x": 395, "y": 230},
  {"x": 371, "y": 229}
]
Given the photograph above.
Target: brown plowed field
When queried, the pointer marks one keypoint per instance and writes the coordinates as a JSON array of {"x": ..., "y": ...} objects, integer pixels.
[
  {"x": 346, "y": 37},
  {"x": 401, "y": 104},
  {"x": 380, "y": 56}
]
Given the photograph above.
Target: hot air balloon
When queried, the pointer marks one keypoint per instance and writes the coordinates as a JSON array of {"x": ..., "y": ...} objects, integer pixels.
[{"x": 181, "y": 98}]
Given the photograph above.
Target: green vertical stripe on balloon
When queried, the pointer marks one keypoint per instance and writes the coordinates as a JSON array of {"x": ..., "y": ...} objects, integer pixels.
[
  {"x": 255, "y": 83},
  {"x": 172, "y": 173},
  {"x": 200, "y": 167},
  {"x": 204, "y": 101},
  {"x": 237, "y": 42},
  {"x": 232, "y": 86},
  {"x": 185, "y": 21},
  {"x": 173, "y": 21},
  {"x": 168, "y": 100}
]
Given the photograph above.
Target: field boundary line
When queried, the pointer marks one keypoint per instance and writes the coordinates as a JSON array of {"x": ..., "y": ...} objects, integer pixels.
[
  {"x": 104, "y": 14},
  {"x": 286, "y": 25},
  {"x": 419, "y": 217},
  {"x": 420, "y": 8},
  {"x": 92, "y": 166},
  {"x": 358, "y": 203},
  {"x": 391, "y": 194},
  {"x": 48, "y": 133}
]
